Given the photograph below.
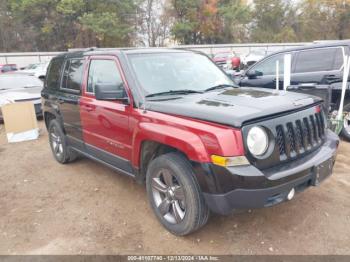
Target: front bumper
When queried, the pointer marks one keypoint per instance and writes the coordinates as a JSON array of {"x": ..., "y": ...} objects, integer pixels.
[{"x": 247, "y": 187}]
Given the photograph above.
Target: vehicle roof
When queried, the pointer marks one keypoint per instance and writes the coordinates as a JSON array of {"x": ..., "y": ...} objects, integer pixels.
[
  {"x": 315, "y": 45},
  {"x": 114, "y": 51}
]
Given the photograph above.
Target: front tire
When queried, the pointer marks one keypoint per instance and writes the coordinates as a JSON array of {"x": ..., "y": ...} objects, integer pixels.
[
  {"x": 345, "y": 132},
  {"x": 58, "y": 143},
  {"x": 174, "y": 194}
]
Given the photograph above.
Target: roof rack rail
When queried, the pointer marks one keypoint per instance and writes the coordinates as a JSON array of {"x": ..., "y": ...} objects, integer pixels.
[
  {"x": 91, "y": 48},
  {"x": 83, "y": 49}
]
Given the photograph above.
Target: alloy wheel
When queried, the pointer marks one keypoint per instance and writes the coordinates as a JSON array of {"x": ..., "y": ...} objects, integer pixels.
[
  {"x": 346, "y": 123},
  {"x": 169, "y": 196},
  {"x": 56, "y": 142}
]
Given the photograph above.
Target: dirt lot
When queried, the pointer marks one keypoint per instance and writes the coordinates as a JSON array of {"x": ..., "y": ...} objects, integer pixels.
[{"x": 85, "y": 208}]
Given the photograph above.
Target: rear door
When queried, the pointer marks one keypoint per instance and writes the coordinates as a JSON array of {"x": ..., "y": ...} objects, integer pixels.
[
  {"x": 68, "y": 99},
  {"x": 267, "y": 70},
  {"x": 106, "y": 123},
  {"x": 318, "y": 66}
]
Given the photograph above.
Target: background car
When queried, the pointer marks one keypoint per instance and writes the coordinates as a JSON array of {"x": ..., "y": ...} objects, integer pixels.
[
  {"x": 8, "y": 68},
  {"x": 252, "y": 57},
  {"x": 227, "y": 60},
  {"x": 312, "y": 65},
  {"x": 20, "y": 88},
  {"x": 37, "y": 70}
]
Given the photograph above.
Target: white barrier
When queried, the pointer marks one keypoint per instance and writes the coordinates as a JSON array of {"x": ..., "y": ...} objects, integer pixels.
[{"x": 23, "y": 59}]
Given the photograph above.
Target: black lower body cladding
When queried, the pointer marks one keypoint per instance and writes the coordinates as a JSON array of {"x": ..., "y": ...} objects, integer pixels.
[{"x": 227, "y": 189}]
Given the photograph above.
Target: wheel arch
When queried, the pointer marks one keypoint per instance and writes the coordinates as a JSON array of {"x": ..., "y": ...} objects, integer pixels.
[
  {"x": 48, "y": 116},
  {"x": 151, "y": 135}
]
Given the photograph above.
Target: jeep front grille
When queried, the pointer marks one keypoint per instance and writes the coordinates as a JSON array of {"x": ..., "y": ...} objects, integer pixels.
[{"x": 295, "y": 138}]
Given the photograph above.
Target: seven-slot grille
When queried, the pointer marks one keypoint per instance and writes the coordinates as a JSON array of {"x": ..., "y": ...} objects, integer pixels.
[{"x": 302, "y": 135}]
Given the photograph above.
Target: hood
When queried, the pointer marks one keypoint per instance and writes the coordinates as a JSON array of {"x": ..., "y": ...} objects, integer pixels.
[
  {"x": 23, "y": 94},
  {"x": 233, "y": 107}
]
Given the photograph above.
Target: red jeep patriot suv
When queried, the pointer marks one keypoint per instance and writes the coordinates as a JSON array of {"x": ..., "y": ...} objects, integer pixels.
[{"x": 174, "y": 120}]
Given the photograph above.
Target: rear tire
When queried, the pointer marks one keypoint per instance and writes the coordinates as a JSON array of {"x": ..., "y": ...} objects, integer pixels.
[
  {"x": 174, "y": 194},
  {"x": 58, "y": 143},
  {"x": 345, "y": 132}
]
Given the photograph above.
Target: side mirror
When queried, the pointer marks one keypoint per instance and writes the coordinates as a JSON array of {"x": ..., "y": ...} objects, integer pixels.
[
  {"x": 110, "y": 92},
  {"x": 253, "y": 73}
]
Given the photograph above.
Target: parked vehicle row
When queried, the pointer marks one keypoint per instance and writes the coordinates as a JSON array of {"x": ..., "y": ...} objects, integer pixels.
[
  {"x": 5, "y": 68},
  {"x": 229, "y": 60},
  {"x": 37, "y": 70},
  {"x": 176, "y": 122}
]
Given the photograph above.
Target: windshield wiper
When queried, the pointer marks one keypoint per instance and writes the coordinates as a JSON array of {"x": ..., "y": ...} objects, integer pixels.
[
  {"x": 219, "y": 87},
  {"x": 175, "y": 92}
]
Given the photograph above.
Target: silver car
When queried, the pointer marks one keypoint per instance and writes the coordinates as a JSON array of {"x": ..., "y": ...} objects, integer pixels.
[{"x": 15, "y": 87}]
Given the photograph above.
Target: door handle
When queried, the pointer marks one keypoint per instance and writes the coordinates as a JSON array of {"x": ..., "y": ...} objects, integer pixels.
[
  {"x": 333, "y": 78},
  {"x": 89, "y": 108}
]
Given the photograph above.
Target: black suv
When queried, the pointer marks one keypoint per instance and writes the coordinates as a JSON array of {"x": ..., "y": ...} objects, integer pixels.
[{"x": 318, "y": 64}]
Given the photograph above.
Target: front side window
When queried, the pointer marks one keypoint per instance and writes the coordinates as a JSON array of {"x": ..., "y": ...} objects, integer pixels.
[
  {"x": 268, "y": 66},
  {"x": 315, "y": 60},
  {"x": 163, "y": 72},
  {"x": 103, "y": 72}
]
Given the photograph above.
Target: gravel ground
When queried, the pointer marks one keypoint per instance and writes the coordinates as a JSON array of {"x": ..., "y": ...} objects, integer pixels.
[{"x": 86, "y": 208}]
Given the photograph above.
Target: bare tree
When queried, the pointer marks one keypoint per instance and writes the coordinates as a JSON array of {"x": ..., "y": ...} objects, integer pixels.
[{"x": 154, "y": 27}]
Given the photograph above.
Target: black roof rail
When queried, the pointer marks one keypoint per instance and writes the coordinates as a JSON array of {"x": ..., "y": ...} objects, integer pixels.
[{"x": 83, "y": 49}]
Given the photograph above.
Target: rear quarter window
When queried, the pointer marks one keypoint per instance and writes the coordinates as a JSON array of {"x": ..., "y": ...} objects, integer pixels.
[
  {"x": 54, "y": 73},
  {"x": 338, "y": 59},
  {"x": 73, "y": 75}
]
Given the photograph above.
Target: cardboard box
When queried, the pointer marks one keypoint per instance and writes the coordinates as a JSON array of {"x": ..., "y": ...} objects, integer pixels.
[{"x": 20, "y": 121}]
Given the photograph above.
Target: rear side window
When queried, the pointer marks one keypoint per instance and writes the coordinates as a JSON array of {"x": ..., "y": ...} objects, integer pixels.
[
  {"x": 103, "y": 72},
  {"x": 54, "y": 73},
  {"x": 73, "y": 74},
  {"x": 315, "y": 60}
]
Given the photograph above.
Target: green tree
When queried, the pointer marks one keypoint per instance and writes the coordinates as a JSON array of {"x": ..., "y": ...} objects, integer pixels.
[
  {"x": 322, "y": 20},
  {"x": 273, "y": 21},
  {"x": 210, "y": 21},
  {"x": 236, "y": 16},
  {"x": 62, "y": 24}
]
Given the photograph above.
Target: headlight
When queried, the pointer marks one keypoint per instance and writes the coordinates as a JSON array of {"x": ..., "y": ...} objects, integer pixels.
[{"x": 257, "y": 141}]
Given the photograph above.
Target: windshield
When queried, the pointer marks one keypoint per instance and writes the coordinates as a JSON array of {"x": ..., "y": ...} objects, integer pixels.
[
  {"x": 163, "y": 72},
  {"x": 18, "y": 81}
]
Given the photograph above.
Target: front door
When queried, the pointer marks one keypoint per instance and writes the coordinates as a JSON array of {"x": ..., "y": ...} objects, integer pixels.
[{"x": 106, "y": 123}]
